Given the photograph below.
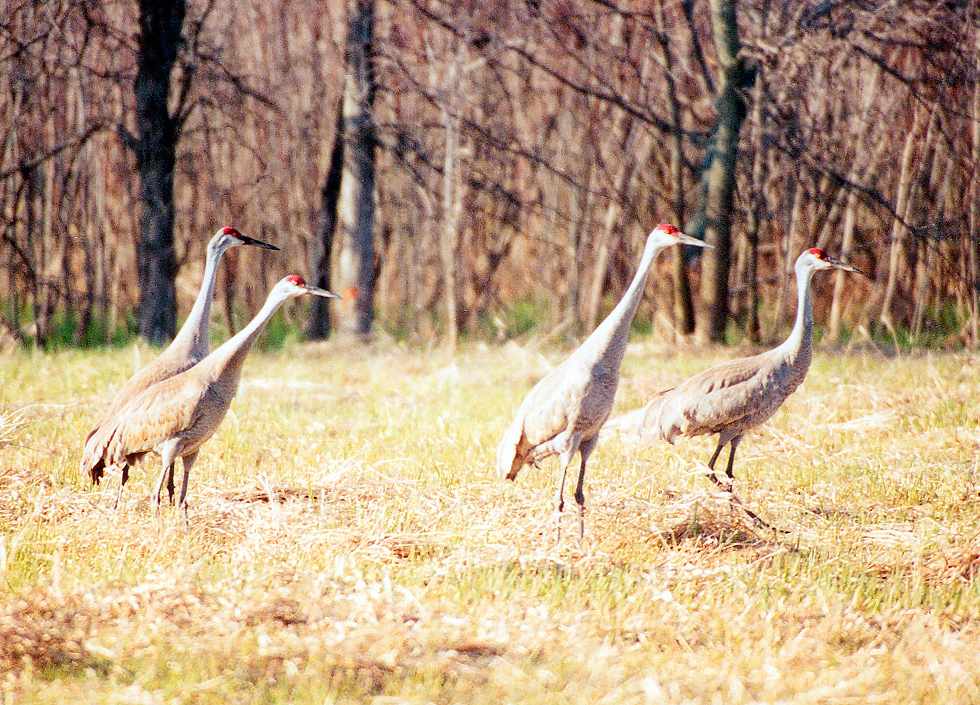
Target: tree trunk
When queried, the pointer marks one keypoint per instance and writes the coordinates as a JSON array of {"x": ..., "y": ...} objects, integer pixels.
[
  {"x": 581, "y": 204},
  {"x": 973, "y": 237},
  {"x": 856, "y": 174},
  {"x": 683, "y": 301},
  {"x": 756, "y": 209},
  {"x": 902, "y": 192},
  {"x": 934, "y": 187},
  {"x": 156, "y": 146},
  {"x": 795, "y": 205},
  {"x": 357, "y": 182},
  {"x": 720, "y": 175},
  {"x": 451, "y": 200},
  {"x": 847, "y": 243},
  {"x": 318, "y": 326}
]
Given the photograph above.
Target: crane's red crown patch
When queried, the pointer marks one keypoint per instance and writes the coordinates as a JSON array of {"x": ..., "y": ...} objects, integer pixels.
[
  {"x": 296, "y": 279},
  {"x": 228, "y": 230},
  {"x": 668, "y": 228},
  {"x": 817, "y": 252}
]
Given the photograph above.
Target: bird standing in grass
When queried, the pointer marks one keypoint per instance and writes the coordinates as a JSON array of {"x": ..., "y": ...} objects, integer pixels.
[
  {"x": 176, "y": 416},
  {"x": 189, "y": 347},
  {"x": 565, "y": 411},
  {"x": 736, "y": 396}
]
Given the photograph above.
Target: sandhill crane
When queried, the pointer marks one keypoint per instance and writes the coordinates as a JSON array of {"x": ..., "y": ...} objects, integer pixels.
[
  {"x": 565, "y": 410},
  {"x": 189, "y": 347},
  {"x": 173, "y": 418},
  {"x": 736, "y": 396}
]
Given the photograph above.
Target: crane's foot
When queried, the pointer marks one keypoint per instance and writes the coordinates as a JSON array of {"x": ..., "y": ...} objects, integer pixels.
[
  {"x": 558, "y": 528},
  {"x": 756, "y": 519},
  {"x": 721, "y": 484}
]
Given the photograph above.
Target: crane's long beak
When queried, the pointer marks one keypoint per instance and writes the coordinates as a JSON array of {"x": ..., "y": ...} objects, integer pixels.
[
  {"x": 246, "y": 240},
  {"x": 843, "y": 265},
  {"x": 317, "y": 291},
  {"x": 688, "y": 240}
]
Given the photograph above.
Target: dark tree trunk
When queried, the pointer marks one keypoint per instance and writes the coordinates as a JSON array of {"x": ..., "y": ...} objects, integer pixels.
[
  {"x": 357, "y": 186},
  {"x": 156, "y": 145},
  {"x": 318, "y": 327},
  {"x": 720, "y": 174}
]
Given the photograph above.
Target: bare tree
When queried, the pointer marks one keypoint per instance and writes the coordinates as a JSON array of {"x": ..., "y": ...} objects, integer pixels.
[
  {"x": 318, "y": 325},
  {"x": 720, "y": 175},
  {"x": 973, "y": 241},
  {"x": 160, "y": 37},
  {"x": 357, "y": 183},
  {"x": 574, "y": 127}
]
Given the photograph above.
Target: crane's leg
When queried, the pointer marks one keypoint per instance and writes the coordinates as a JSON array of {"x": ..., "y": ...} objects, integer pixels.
[
  {"x": 568, "y": 449},
  {"x": 731, "y": 460},
  {"x": 123, "y": 477},
  {"x": 188, "y": 462},
  {"x": 170, "y": 484},
  {"x": 585, "y": 450},
  {"x": 167, "y": 469},
  {"x": 563, "y": 462},
  {"x": 711, "y": 465},
  {"x": 756, "y": 519},
  {"x": 168, "y": 454}
]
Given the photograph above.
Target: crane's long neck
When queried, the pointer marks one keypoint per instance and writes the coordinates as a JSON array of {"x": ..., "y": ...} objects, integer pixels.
[
  {"x": 608, "y": 341},
  {"x": 193, "y": 338},
  {"x": 227, "y": 360},
  {"x": 800, "y": 340}
]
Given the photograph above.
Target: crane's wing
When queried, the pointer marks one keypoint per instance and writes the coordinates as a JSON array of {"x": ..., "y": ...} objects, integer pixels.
[
  {"x": 653, "y": 409},
  {"x": 545, "y": 412},
  {"x": 160, "y": 369},
  {"x": 712, "y": 400},
  {"x": 554, "y": 403},
  {"x": 509, "y": 450},
  {"x": 93, "y": 455},
  {"x": 161, "y": 412}
]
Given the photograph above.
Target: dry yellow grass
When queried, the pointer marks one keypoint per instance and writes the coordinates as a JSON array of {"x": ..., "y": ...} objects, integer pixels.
[{"x": 349, "y": 543}]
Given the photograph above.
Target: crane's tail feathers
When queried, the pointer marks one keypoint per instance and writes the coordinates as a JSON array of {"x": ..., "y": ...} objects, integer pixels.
[
  {"x": 509, "y": 460},
  {"x": 96, "y": 472},
  {"x": 93, "y": 460},
  {"x": 651, "y": 413},
  {"x": 96, "y": 456}
]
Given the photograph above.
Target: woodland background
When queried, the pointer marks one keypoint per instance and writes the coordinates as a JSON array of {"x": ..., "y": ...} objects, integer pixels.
[{"x": 476, "y": 169}]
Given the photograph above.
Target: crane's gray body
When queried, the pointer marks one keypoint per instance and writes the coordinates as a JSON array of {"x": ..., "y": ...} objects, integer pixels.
[
  {"x": 184, "y": 410},
  {"x": 731, "y": 398},
  {"x": 736, "y": 396},
  {"x": 189, "y": 347},
  {"x": 571, "y": 402},
  {"x": 175, "y": 417},
  {"x": 566, "y": 409}
]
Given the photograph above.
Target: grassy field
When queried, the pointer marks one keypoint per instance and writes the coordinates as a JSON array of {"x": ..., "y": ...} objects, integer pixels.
[{"x": 349, "y": 542}]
